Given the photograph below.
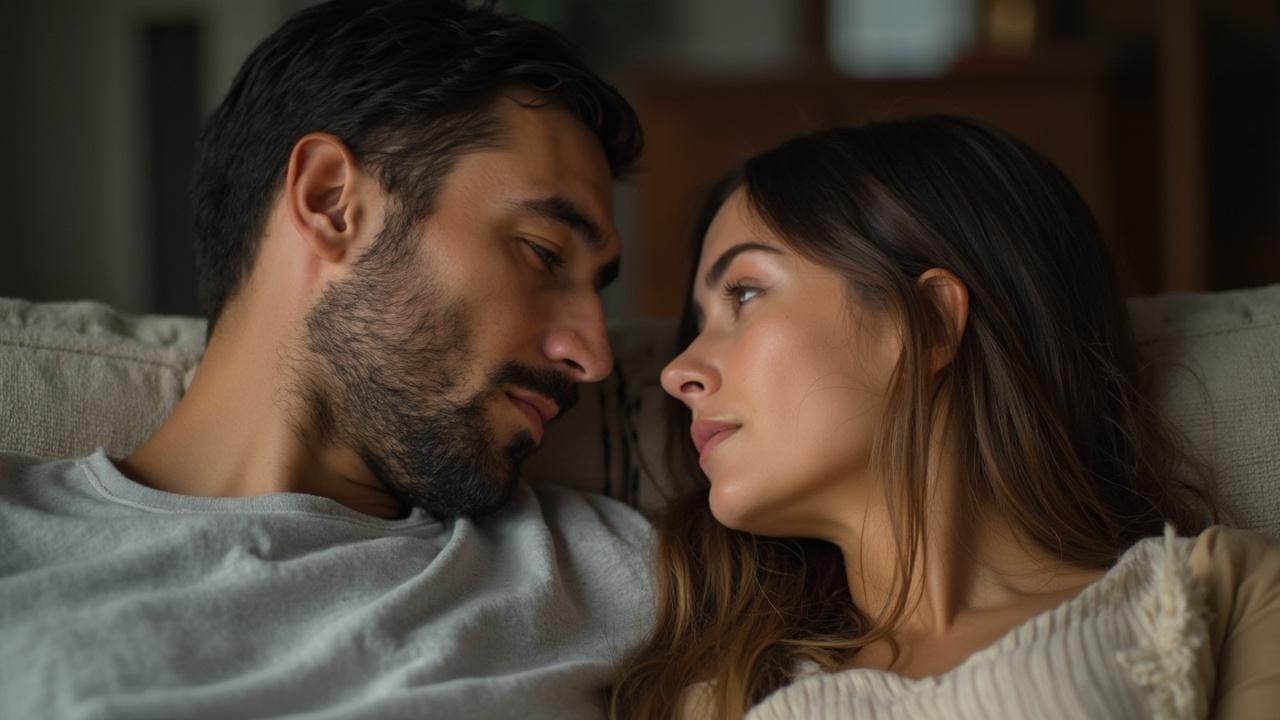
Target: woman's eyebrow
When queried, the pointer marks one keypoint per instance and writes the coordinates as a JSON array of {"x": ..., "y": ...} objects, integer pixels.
[{"x": 721, "y": 264}]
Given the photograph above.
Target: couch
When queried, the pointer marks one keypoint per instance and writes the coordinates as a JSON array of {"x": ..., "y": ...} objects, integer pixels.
[{"x": 76, "y": 376}]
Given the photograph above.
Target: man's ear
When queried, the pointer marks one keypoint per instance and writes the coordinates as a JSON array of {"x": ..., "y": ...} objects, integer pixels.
[
  {"x": 320, "y": 195},
  {"x": 951, "y": 298}
]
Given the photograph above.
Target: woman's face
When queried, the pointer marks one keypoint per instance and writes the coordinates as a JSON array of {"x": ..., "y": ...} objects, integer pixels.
[{"x": 786, "y": 381}]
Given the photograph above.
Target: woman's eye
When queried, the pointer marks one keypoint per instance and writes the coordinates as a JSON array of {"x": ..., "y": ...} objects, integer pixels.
[
  {"x": 550, "y": 258},
  {"x": 741, "y": 294}
]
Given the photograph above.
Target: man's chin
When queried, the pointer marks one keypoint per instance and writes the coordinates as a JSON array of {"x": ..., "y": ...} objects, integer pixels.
[
  {"x": 503, "y": 480},
  {"x": 456, "y": 482},
  {"x": 469, "y": 501},
  {"x": 522, "y": 445},
  {"x": 485, "y": 488}
]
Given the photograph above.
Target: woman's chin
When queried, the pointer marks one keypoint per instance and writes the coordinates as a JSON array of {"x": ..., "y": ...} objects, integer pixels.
[
  {"x": 739, "y": 506},
  {"x": 733, "y": 508}
]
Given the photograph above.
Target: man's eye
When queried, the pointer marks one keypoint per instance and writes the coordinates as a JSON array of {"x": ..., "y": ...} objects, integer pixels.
[{"x": 550, "y": 258}]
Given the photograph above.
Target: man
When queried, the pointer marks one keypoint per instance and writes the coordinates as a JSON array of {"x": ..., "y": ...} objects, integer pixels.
[{"x": 403, "y": 220}]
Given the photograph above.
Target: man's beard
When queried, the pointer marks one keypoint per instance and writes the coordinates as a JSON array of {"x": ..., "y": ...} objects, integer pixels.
[{"x": 388, "y": 351}]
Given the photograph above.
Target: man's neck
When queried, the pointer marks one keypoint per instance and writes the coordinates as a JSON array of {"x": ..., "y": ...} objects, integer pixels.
[{"x": 241, "y": 430}]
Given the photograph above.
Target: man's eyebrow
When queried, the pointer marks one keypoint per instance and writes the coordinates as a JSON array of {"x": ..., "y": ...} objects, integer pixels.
[
  {"x": 563, "y": 210},
  {"x": 721, "y": 264}
]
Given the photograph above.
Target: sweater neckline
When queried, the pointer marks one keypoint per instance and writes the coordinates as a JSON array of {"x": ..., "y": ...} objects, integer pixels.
[
  {"x": 1127, "y": 570},
  {"x": 112, "y": 485}
]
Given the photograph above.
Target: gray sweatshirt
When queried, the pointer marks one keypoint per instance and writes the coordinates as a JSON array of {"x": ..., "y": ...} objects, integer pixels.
[{"x": 121, "y": 601}]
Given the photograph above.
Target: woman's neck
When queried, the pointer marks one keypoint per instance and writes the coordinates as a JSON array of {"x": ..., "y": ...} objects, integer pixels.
[
  {"x": 974, "y": 580},
  {"x": 965, "y": 565}
]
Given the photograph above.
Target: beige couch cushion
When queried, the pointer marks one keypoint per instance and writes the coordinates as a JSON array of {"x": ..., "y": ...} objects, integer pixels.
[
  {"x": 1217, "y": 357},
  {"x": 75, "y": 376}
]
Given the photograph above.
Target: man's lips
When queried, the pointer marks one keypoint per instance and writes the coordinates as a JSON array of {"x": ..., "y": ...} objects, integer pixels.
[
  {"x": 709, "y": 433},
  {"x": 538, "y": 409}
]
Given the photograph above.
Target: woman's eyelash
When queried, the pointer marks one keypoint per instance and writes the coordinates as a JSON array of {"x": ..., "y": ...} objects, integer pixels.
[
  {"x": 734, "y": 290},
  {"x": 549, "y": 257}
]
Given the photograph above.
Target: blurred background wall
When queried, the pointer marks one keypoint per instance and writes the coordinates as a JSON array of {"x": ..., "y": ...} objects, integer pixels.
[{"x": 1165, "y": 114}]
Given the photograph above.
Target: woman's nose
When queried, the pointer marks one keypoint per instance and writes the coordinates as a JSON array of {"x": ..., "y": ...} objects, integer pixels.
[{"x": 689, "y": 378}]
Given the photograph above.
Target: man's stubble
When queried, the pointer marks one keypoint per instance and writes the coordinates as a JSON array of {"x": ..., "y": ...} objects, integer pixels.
[{"x": 388, "y": 351}]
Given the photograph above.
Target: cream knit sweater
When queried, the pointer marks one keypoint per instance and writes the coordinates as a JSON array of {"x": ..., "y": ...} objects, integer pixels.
[{"x": 1135, "y": 644}]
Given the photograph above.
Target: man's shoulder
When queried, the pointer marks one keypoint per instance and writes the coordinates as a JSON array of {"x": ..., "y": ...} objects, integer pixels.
[
  {"x": 31, "y": 482},
  {"x": 15, "y": 467},
  {"x": 603, "y": 550},
  {"x": 600, "y": 543},
  {"x": 16, "y": 462},
  {"x": 575, "y": 511}
]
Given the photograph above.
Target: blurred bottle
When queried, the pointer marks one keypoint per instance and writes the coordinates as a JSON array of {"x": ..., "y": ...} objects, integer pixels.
[
  {"x": 900, "y": 38},
  {"x": 1011, "y": 26}
]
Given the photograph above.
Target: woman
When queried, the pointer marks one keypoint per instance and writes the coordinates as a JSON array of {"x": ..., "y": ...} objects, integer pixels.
[{"x": 926, "y": 482}]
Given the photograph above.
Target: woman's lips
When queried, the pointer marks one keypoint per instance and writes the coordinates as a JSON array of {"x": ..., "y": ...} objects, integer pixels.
[{"x": 707, "y": 434}]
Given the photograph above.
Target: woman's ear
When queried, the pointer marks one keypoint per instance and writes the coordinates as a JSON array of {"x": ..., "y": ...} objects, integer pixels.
[
  {"x": 320, "y": 197},
  {"x": 951, "y": 298}
]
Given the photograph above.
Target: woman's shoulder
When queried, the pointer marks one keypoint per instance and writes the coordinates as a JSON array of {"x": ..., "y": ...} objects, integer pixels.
[
  {"x": 1239, "y": 572},
  {"x": 1240, "y": 560}
]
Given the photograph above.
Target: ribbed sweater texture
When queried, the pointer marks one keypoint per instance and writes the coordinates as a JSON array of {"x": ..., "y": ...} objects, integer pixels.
[{"x": 1125, "y": 647}]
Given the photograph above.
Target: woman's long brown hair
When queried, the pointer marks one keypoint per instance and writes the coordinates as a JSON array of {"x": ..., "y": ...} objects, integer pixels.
[{"x": 1046, "y": 401}]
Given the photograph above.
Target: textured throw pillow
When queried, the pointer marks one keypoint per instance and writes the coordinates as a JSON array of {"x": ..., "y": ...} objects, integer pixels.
[
  {"x": 77, "y": 376},
  {"x": 1217, "y": 362}
]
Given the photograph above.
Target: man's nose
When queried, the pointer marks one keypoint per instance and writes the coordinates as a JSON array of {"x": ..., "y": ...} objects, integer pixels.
[{"x": 578, "y": 341}]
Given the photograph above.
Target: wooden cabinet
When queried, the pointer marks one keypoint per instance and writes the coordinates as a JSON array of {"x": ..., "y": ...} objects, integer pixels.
[{"x": 1065, "y": 104}]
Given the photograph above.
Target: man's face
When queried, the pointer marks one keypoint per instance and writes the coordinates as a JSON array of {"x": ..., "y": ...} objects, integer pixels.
[{"x": 454, "y": 340}]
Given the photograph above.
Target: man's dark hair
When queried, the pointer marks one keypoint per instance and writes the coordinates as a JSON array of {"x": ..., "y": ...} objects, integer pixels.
[{"x": 408, "y": 85}]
